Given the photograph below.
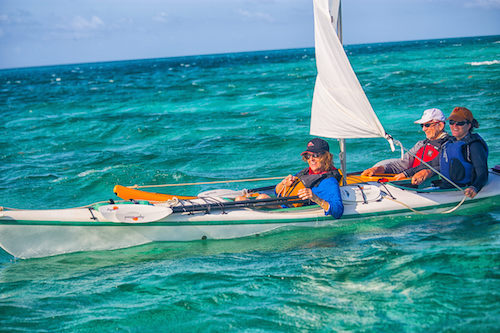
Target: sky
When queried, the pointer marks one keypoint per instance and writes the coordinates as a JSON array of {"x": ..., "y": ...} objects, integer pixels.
[{"x": 51, "y": 32}]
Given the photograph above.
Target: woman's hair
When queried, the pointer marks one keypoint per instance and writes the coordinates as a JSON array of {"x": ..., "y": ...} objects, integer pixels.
[
  {"x": 474, "y": 124},
  {"x": 326, "y": 161}
]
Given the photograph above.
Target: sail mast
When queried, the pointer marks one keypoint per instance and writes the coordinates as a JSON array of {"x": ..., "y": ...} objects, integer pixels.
[
  {"x": 342, "y": 153},
  {"x": 339, "y": 22}
]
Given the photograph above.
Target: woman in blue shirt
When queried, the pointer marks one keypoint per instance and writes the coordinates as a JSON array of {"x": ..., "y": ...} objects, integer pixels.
[{"x": 320, "y": 179}]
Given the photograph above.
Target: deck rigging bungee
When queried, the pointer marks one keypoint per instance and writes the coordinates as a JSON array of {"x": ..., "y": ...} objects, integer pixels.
[
  {"x": 143, "y": 212},
  {"x": 208, "y": 207}
]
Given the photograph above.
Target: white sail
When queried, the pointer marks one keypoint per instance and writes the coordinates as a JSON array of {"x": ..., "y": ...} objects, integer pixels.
[{"x": 340, "y": 108}]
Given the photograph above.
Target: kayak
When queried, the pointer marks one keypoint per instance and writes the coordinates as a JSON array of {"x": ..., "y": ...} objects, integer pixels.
[{"x": 114, "y": 225}]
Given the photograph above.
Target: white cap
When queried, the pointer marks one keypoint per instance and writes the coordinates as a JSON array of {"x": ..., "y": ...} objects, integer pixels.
[{"x": 431, "y": 114}]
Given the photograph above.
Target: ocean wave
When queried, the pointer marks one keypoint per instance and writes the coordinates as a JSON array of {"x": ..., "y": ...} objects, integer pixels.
[
  {"x": 482, "y": 63},
  {"x": 58, "y": 180},
  {"x": 89, "y": 172}
]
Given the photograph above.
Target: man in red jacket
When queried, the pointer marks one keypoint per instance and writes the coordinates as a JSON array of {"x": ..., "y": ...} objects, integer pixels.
[{"x": 433, "y": 123}]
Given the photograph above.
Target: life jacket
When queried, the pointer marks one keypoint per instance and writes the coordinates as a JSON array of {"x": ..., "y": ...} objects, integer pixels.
[
  {"x": 426, "y": 153},
  {"x": 306, "y": 180},
  {"x": 456, "y": 162},
  {"x": 429, "y": 151},
  {"x": 313, "y": 180}
]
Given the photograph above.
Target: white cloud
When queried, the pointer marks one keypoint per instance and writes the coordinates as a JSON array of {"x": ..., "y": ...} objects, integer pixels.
[
  {"x": 81, "y": 24},
  {"x": 161, "y": 17},
  {"x": 76, "y": 27},
  {"x": 258, "y": 16},
  {"x": 17, "y": 17}
]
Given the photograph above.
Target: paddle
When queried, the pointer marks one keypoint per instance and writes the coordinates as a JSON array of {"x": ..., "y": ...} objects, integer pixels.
[
  {"x": 209, "y": 206},
  {"x": 127, "y": 193},
  {"x": 231, "y": 194}
]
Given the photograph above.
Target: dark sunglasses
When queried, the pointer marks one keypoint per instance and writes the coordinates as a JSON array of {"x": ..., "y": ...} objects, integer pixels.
[
  {"x": 427, "y": 125},
  {"x": 315, "y": 155},
  {"x": 459, "y": 123}
]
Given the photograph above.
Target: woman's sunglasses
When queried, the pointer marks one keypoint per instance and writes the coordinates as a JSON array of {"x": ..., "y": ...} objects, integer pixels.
[
  {"x": 315, "y": 155},
  {"x": 458, "y": 123}
]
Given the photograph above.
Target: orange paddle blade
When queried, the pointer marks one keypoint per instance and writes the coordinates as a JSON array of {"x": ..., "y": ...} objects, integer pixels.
[{"x": 127, "y": 193}]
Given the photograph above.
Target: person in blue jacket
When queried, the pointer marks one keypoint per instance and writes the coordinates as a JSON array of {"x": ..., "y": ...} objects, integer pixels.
[
  {"x": 320, "y": 179},
  {"x": 465, "y": 157}
]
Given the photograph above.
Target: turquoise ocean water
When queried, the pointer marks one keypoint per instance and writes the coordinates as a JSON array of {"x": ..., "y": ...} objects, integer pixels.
[{"x": 70, "y": 133}]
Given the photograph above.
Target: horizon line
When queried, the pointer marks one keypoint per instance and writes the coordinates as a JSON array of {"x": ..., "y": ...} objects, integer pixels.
[{"x": 232, "y": 52}]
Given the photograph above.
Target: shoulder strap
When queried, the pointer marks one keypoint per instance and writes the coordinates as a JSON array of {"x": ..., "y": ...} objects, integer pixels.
[
  {"x": 302, "y": 172},
  {"x": 336, "y": 174},
  {"x": 311, "y": 181}
]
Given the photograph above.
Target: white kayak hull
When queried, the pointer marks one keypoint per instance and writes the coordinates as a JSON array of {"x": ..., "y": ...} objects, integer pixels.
[{"x": 40, "y": 233}]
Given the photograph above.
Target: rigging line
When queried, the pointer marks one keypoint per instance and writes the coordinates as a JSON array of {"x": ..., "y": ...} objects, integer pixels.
[
  {"x": 430, "y": 167},
  {"x": 205, "y": 183},
  {"x": 440, "y": 174},
  {"x": 85, "y": 206},
  {"x": 423, "y": 213},
  {"x": 98, "y": 202},
  {"x": 456, "y": 207},
  {"x": 402, "y": 203}
]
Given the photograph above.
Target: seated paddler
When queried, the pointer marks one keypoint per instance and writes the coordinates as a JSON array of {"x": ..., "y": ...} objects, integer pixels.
[
  {"x": 465, "y": 156},
  {"x": 433, "y": 123},
  {"x": 318, "y": 182}
]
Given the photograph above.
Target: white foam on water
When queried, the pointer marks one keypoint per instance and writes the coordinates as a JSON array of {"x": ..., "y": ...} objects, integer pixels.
[
  {"x": 89, "y": 172},
  {"x": 482, "y": 63},
  {"x": 57, "y": 180}
]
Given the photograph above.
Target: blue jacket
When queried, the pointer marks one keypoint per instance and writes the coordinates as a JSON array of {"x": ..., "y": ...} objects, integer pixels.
[
  {"x": 466, "y": 162},
  {"x": 326, "y": 187},
  {"x": 329, "y": 191}
]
